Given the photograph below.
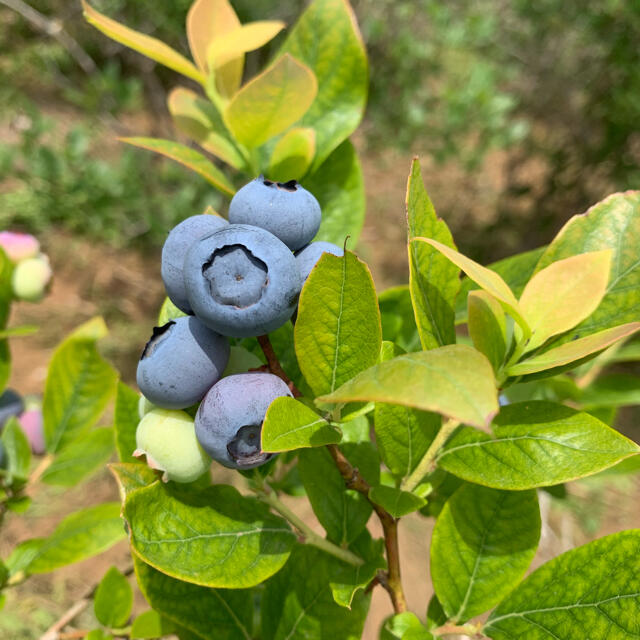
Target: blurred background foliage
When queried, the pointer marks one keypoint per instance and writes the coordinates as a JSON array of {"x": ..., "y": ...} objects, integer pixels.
[{"x": 528, "y": 112}]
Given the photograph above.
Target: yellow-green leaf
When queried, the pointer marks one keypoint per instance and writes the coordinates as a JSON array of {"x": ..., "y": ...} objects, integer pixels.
[
  {"x": 573, "y": 351},
  {"x": 487, "y": 326},
  {"x": 557, "y": 298},
  {"x": 293, "y": 154},
  {"x": 271, "y": 102},
  {"x": 187, "y": 157},
  {"x": 197, "y": 118},
  {"x": 144, "y": 44},
  {"x": 485, "y": 278},
  {"x": 456, "y": 381}
]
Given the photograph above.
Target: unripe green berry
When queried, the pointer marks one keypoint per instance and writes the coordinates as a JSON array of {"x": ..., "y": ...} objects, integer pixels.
[{"x": 31, "y": 277}]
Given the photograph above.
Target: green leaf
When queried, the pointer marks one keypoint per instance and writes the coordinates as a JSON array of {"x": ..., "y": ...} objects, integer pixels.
[
  {"x": 188, "y": 157},
  {"x": 19, "y": 332},
  {"x": 487, "y": 327},
  {"x": 614, "y": 224},
  {"x": 293, "y": 154},
  {"x": 113, "y": 600},
  {"x": 337, "y": 332},
  {"x": 485, "y": 278},
  {"x": 339, "y": 187},
  {"x": 81, "y": 535},
  {"x": 271, "y": 102},
  {"x": 125, "y": 421},
  {"x": 403, "y": 436},
  {"x": 199, "y": 119},
  {"x": 132, "y": 476},
  {"x": 536, "y": 444},
  {"x": 398, "y": 503},
  {"x": 563, "y": 294},
  {"x": 17, "y": 450},
  {"x": 614, "y": 390},
  {"x": 590, "y": 592},
  {"x": 5, "y": 363},
  {"x": 483, "y": 542},
  {"x": 573, "y": 351},
  {"x": 433, "y": 279},
  {"x": 80, "y": 458},
  {"x": 214, "y": 537},
  {"x": 98, "y": 634},
  {"x": 456, "y": 381},
  {"x": 150, "y": 624},
  {"x": 212, "y": 614},
  {"x": 6, "y": 288},
  {"x": 297, "y": 603},
  {"x": 327, "y": 40},
  {"x": 289, "y": 424},
  {"x": 79, "y": 385},
  {"x": 169, "y": 311},
  {"x": 342, "y": 512},
  {"x": 398, "y": 319},
  {"x": 398, "y": 626},
  {"x": 144, "y": 44},
  {"x": 436, "y": 616}
]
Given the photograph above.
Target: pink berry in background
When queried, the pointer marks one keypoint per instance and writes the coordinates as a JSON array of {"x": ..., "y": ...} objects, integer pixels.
[
  {"x": 31, "y": 423},
  {"x": 19, "y": 246}
]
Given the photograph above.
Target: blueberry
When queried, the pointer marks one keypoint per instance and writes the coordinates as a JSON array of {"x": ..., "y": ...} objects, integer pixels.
[
  {"x": 168, "y": 440},
  {"x": 308, "y": 257},
  {"x": 32, "y": 424},
  {"x": 242, "y": 281},
  {"x": 175, "y": 248},
  {"x": 11, "y": 404},
  {"x": 229, "y": 420},
  {"x": 180, "y": 363},
  {"x": 285, "y": 209}
]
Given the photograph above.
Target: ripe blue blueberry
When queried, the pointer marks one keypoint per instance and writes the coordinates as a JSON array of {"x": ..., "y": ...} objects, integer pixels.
[
  {"x": 181, "y": 362},
  {"x": 242, "y": 281},
  {"x": 229, "y": 420},
  {"x": 11, "y": 404},
  {"x": 285, "y": 209},
  {"x": 175, "y": 248},
  {"x": 308, "y": 257}
]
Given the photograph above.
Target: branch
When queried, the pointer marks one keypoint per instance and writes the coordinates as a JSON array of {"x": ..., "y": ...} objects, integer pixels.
[{"x": 274, "y": 364}]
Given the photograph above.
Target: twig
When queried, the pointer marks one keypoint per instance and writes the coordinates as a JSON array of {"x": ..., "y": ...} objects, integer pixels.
[
  {"x": 55, "y": 29},
  {"x": 469, "y": 630},
  {"x": 274, "y": 364},
  {"x": 53, "y": 632}
]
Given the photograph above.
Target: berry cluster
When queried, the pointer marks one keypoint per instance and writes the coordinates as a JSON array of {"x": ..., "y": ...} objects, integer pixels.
[
  {"x": 32, "y": 272},
  {"x": 28, "y": 412},
  {"x": 235, "y": 279}
]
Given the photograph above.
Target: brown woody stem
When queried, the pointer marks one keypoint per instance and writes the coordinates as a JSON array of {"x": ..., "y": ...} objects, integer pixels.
[{"x": 274, "y": 364}]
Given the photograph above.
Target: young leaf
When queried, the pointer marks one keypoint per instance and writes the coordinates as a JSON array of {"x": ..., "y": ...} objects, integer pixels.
[
  {"x": 483, "y": 542},
  {"x": 485, "y": 278},
  {"x": 338, "y": 332},
  {"x": 289, "y": 424},
  {"x": 297, "y": 604},
  {"x": 327, "y": 40},
  {"x": 80, "y": 457},
  {"x": 271, "y": 102},
  {"x": 456, "y": 381},
  {"x": 536, "y": 444},
  {"x": 592, "y": 590},
  {"x": 293, "y": 154},
  {"x": 81, "y": 535},
  {"x": 433, "y": 279},
  {"x": 212, "y": 614},
  {"x": 17, "y": 449},
  {"x": 126, "y": 420},
  {"x": 198, "y": 118},
  {"x": 403, "y": 436},
  {"x": 614, "y": 224},
  {"x": 132, "y": 476},
  {"x": 404, "y": 625},
  {"x": 206, "y": 20},
  {"x": 113, "y": 600},
  {"x": 144, "y": 44},
  {"x": 214, "y": 537},
  {"x": 79, "y": 385},
  {"x": 398, "y": 319},
  {"x": 343, "y": 513},
  {"x": 573, "y": 351},
  {"x": 563, "y": 294},
  {"x": 487, "y": 327},
  {"x": 187, "y": 157},
  {"x": 339, "y": 187},
  {"x": 398, "y": 503},
  {"x": 150, "y": 624}
]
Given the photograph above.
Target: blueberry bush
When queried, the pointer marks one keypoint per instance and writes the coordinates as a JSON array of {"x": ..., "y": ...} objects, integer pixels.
[{"x": 458, "y": 396}]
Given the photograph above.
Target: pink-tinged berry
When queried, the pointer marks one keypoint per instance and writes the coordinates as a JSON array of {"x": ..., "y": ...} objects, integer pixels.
[
  {"x": 19, "y": 246},
  {"x": 32, "y": 425},
  {"x": 31, "y": 278}
]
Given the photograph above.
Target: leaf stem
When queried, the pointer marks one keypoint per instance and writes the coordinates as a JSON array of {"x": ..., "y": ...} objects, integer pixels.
[
  {"x": 274, "y": 364},
  {"x": 469, "y": 630},
  {"x": 310, "y": 536},
  {"x": 427, "y": 465}
]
